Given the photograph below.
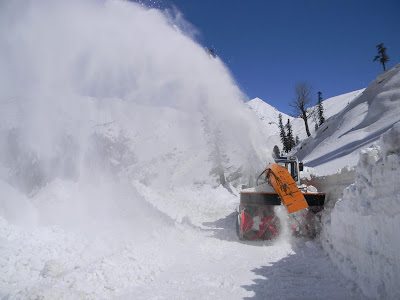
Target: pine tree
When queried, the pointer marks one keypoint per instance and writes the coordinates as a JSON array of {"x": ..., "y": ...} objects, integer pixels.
[
  {"x": 297, "y": 140},
  {"x": 289, "y": 137},
  {"x": 320, "y": 109},
  {"x": 282, "y": 134},
  {"x": 382, "y": 57}
]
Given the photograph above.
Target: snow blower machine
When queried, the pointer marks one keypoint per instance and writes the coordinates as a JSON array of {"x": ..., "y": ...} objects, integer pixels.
[{"x": 279, "y": 184}]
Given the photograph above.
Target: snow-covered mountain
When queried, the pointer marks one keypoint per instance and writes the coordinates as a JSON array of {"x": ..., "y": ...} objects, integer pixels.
[
  {"x": 269, "y": 119},
  {"x": 269, "y": 116}
]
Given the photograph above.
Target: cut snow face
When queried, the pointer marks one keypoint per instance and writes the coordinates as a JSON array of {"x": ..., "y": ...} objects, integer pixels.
[
  {"x": 338, "y": 142},
  {"x": 361, "y": 233}
]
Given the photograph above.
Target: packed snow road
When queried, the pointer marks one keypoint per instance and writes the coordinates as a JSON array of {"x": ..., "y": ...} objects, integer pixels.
[
  {"x": 211, "y": 263},
  {"x": 211, "y": 268},
  {"x": 168, "y": 260}
]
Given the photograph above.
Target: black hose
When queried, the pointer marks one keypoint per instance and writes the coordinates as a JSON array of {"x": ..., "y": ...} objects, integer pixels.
[
  {"x": 261, "y": 175},
  {"x": 276, "y": 178}
]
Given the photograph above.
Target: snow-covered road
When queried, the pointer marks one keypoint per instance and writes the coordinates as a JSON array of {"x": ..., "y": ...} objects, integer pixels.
[
  {"x": 213, "y": 264},
  {"x": 175, "y": 261}
]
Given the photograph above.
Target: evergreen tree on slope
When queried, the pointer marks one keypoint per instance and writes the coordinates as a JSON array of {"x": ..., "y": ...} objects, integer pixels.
[
  {"x": 289, "y": 136},
  {"x": 282, "y": 134},
  {"x": 382, "y": 57},
  {"x": 320, "y": 109}
]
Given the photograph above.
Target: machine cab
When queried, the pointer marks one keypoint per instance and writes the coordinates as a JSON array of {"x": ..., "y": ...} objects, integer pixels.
[{"x": 291, "y": 163}]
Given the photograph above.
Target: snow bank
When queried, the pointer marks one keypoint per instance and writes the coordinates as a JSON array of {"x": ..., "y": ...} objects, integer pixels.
[{"x": 361, "y": 234}]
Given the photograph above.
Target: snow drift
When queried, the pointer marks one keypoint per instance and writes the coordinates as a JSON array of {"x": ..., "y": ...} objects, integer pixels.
[{"x": 361, "y": 234}]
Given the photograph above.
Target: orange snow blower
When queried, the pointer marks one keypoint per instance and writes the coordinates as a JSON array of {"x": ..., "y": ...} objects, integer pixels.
[{"x": 281, "y": 186}]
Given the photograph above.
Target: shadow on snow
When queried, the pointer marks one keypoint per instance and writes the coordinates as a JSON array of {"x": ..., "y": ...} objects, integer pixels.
[
  {"x": 347, "y": 149},
  {"x": 306, "y": 274}
]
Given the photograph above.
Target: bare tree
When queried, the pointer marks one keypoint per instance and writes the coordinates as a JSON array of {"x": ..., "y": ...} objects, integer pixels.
[{"x": 302, "y": 100}]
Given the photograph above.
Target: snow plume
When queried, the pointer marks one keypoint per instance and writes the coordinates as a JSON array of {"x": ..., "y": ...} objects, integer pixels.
[
  {"x": 95, "y": 94},
  {"x": 115, "y": 127},
  {"x": 361, "y": 234}
]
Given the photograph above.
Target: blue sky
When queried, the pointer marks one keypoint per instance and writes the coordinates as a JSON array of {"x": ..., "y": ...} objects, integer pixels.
[{"x": 270, "y": 45}]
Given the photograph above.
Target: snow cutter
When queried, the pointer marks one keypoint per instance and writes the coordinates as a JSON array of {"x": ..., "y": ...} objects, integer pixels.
[{"x": 281, "y": 186}]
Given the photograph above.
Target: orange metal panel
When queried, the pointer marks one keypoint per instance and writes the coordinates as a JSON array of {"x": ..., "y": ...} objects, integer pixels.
[{"x": 282, "y": 182}]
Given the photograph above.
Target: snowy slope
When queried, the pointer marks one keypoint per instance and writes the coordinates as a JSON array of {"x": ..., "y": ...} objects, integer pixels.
[
  {"x": 341, "y": 138},
  {"x": 269, "y": 116},
  {"x": 334, "y": 105}
]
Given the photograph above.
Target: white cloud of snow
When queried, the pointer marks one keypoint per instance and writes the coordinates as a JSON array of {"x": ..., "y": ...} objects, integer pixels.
[
  {"x": 98, "y": 99},
  {"x": 95, "y": 86}
]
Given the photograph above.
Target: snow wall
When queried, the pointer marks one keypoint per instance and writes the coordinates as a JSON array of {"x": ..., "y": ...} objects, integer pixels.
[{"x": 361, "y": 234}]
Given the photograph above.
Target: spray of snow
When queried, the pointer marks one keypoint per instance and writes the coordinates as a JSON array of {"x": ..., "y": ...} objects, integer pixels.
[
  {"x": 94, "y": 89},
  {"x": 115, "y": 125}
]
